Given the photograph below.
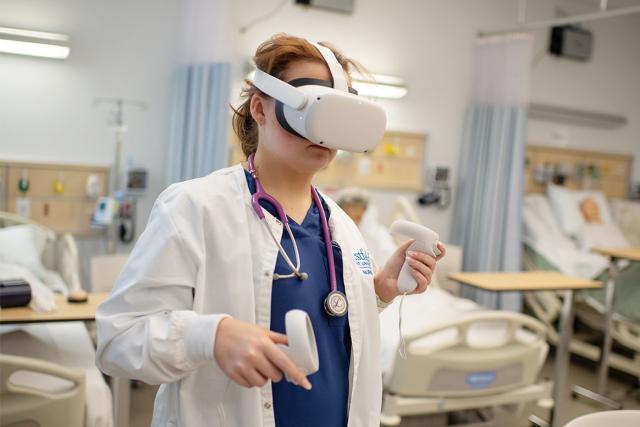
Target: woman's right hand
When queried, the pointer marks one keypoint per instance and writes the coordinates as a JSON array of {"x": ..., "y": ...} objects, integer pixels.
[{"x": 248, "y": 354}]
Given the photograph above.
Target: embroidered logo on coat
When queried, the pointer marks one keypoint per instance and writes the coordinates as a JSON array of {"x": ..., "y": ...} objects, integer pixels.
[{"x": 363, "y": 261}]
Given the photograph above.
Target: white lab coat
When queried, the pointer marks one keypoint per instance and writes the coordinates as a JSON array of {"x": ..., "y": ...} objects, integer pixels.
[{"x": 204, "y": 255}]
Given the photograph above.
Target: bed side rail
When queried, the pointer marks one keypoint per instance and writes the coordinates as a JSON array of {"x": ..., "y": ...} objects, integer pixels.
[{"x": 513, "y": 322}]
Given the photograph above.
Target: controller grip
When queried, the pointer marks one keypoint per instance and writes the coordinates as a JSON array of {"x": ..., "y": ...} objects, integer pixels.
[
  {"x": 406, "y": 282},
  {"x": 426, "y": 242},
  {"x": 302, "y": 349}
]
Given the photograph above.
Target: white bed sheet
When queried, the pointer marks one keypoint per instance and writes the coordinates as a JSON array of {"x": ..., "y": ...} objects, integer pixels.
[
  {"x": 433, "y": 308},
  {"x": 542, "y": 233},
  {"x": 68, "y": 344}
]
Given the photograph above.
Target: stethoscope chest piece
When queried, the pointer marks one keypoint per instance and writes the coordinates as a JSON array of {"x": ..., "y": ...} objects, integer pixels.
[{"x": 335, "y": 304}]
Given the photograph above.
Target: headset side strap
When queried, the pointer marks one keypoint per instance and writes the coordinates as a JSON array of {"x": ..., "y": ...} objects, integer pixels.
[
  {"x": 337, "y": 73},
  {"x": 280, "y": 90}
]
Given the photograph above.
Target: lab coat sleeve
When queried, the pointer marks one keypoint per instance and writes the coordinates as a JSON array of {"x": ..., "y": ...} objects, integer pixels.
[
  {"x": 147, "y": 329},
  {"x": 381, "y": 305}
]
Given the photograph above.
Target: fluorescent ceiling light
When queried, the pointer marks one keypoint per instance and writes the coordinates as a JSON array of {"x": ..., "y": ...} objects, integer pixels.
[
  {"x": 378, "y": 86},
  {"x": 34, "y": 43},
  {"x": 378, "y": 90}
]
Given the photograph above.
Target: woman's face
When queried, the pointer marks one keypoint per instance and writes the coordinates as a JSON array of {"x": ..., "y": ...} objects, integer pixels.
[{"x": 276, "y": 143}]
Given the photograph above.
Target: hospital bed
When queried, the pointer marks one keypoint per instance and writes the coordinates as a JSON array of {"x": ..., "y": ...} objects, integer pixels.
[
  {"x": 543, "y": 241},
  {"x": 65, "y": 343},
  {"x": 54, "y": 399},
  {"x": 459, "y": 357}
]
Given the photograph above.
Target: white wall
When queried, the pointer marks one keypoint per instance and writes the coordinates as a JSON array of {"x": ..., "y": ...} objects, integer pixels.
[
  {"x": 609, "y": 82},
  {"x": 119, "y": 48}
]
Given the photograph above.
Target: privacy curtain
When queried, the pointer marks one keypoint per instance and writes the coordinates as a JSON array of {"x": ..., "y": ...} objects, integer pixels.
[
  {"x": 199, "y": 141},
  {"x": 200, "y": 122},
  {"x": 487, "y": 215}
]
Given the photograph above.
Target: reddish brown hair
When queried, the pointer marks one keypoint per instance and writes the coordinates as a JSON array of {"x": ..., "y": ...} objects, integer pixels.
[{"x": 274, "y": 57}]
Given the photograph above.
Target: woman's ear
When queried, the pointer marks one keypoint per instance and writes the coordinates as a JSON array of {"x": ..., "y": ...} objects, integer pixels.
[{"x": 257, "y": 108}]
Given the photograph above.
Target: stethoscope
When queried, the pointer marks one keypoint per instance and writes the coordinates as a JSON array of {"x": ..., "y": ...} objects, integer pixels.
[{"x": 335, "y": 304}]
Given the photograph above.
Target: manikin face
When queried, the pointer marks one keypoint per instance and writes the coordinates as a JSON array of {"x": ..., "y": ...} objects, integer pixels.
[
  {"x": 291, "y": 151},
  {"x": 590, "y": 211},
  {"x": 355, "y": 211}
]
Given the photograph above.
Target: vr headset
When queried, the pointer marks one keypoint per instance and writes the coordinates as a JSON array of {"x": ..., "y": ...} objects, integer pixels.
[{"x": 326, "y": 113}]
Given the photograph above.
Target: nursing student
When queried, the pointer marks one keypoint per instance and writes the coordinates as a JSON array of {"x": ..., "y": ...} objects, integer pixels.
[{"x": 200, "y": 305}]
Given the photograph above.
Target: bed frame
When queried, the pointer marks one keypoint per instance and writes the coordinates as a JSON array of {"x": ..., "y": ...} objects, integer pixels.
[{"x": 461, "y": 376}]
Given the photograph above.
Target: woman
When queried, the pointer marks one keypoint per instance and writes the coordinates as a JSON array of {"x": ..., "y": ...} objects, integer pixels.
[{"x": 200, "y": 305}]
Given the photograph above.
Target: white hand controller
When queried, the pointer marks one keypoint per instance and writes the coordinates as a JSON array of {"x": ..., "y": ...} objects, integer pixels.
[
  {"x": 302, "y": 349},
  {"x": 426, "y": 242}
]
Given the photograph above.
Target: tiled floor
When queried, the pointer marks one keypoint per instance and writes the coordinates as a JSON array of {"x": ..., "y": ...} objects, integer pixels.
[{"x": 581, "y": 372}]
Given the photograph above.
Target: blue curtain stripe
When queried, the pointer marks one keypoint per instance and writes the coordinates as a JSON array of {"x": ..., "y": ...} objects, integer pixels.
[
  {"x": 200, "y": 121},
  {"x": 487, "y": 217}
]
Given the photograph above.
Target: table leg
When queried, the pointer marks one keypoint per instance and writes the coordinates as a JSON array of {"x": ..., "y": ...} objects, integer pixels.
[
  {"x": 609, "y": 291},
  {"x": 121, "y": 388},
  {"x": 603, "y": 369},
  {"x": 561, "y": 367}
]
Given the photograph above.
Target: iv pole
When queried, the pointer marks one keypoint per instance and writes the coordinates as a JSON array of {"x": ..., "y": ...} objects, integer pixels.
[{"x": 120, "y": 128}]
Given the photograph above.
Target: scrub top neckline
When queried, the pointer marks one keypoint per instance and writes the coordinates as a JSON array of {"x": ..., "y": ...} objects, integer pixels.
[{"x": 308, "y": 215}]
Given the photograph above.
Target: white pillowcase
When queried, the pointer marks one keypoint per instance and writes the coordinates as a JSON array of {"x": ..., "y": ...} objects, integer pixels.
[
  {"x": 565, "y": 204},
  {"x": 18, "y": 246}
]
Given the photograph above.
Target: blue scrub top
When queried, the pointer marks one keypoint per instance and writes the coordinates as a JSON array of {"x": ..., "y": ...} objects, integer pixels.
[{"x": 326, "y": 404}]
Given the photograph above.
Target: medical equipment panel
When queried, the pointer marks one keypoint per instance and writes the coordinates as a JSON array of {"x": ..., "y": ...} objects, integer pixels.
[
  {"x": 577, "y": 169},
  {"x": 54, "y": 195}
]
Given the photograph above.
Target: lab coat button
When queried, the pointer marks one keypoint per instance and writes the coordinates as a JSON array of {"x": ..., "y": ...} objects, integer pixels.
[
  {"x": 267, "y": 405},
  {"x": 266, "y": 273}
]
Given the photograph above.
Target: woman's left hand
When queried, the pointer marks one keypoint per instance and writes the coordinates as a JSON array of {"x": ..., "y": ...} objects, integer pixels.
[{"x": 422, "y": 267}]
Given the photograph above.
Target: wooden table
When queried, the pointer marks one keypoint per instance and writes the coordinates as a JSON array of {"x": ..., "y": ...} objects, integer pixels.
[
  {"x": 614, "y": 255},
  {"x": 64, "y": 311},
  {"x": 539, "y": 281}
]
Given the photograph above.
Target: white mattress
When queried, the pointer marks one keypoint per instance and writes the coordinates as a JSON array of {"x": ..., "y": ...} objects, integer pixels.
[
  {"x": 68, "y": 344},
  {"x": 436, "y": 307}
]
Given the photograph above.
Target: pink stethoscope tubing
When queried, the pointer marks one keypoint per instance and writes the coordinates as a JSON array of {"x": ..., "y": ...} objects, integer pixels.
[{"x": 261, "y": 194}]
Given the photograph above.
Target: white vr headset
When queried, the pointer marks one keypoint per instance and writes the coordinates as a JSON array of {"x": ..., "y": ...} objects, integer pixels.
[{"x": 326, "y": 113}]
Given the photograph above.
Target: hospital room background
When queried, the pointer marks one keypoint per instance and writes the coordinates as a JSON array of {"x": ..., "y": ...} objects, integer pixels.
[{"x": 513, "y": 131}]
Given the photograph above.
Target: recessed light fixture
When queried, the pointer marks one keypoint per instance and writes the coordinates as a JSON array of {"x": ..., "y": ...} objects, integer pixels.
[{"x": 34, "y": 43}]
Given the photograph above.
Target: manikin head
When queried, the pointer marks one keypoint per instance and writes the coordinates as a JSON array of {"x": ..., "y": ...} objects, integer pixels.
[
  {"x": 590, "y": 211},
  {"x": 354, "y": 202}
]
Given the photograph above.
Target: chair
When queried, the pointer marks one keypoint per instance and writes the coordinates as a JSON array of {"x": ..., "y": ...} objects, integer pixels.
[
  {"x": 607, "y": 418},
  {"x": 59, "y": 402}
]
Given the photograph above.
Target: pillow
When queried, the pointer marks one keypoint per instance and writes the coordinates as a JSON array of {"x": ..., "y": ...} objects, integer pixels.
[
  {"x": 538, "y": 206},
  {"x": 18, "y": 246},
  {"x": 565, "y": 204},
  {"x": 566, "y": 208}
]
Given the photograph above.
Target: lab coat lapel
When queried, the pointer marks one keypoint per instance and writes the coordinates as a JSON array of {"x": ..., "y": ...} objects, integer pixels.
[{"x": 340, "y": 234}]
